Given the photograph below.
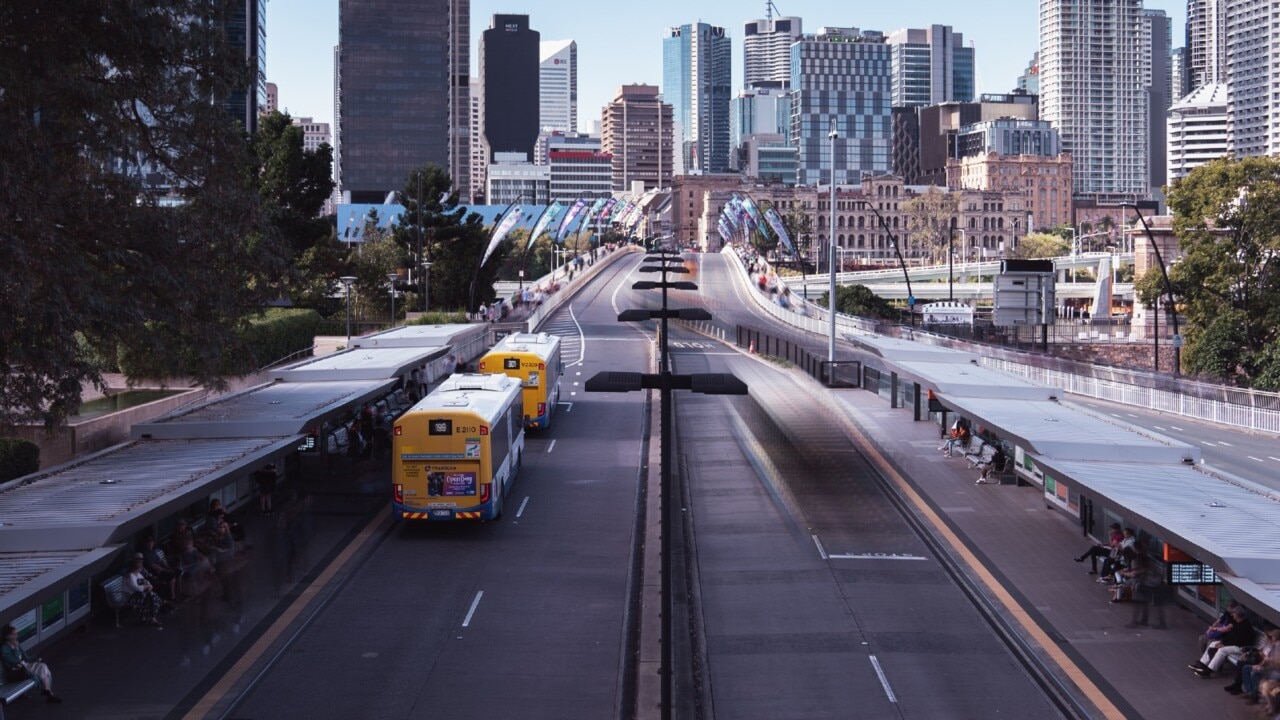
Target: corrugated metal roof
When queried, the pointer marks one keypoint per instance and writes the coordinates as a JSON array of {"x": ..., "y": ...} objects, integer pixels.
[
  {"x": 422, "y": 336},
  {"x": 965, "y": 379},
  {"x": 368, "y": 363},
  {"x": 1064, "y": 431},
  {"x": 1234, "y": 523},
  {"x": 110, "y": 484},
  {"x": 29, "y": 578},
  {"x": 268, "y": 410},
  {"x": 17, "y": 569},
  {"x": 898, "y": 350}
]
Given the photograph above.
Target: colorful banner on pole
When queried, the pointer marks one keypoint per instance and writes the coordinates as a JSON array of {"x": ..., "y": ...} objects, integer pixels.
[
  {"x": 605, "y": 211},
  {"x": 548, "y": 216},
  {"x": 569, "y": 218},
  {"x": 779, "y": 229},
  {"x": 504, "y": 227}
]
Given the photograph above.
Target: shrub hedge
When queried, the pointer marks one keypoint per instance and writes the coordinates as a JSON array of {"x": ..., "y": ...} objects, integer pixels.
[
  {"x": 18, "y": 458},
  {"x": 272, "y": 336}
]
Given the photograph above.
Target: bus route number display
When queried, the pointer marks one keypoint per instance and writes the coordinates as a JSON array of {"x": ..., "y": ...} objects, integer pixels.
[
  {"x": 443, "y": 426},
  {"x": 511, "y": 363},
  {"x": 1191, "y": 573}
]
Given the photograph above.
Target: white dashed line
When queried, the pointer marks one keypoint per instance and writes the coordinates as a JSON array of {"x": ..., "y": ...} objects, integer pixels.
[
  {"x": 1224, "y": 442},
  {"x": 1131, "y": 415},
  {"x": 474, "y": 604},
  {"x": 884, "y": 681},
  {"x": 551, "y": 446},
  {"x": 1175, "y": 427},
  {"x": 1206, "y": 442},
  {"x": 1254, "y": 458},
  {"x": 1115, "y": 414},
  {"x": 522, "y": 504},
  {"x": 1158, "y": 428},
  {"x": 1273, "y": 457}
]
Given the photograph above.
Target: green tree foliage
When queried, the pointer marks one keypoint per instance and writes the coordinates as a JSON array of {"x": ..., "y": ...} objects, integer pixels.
[
  {"x": 92, "y": 96},
  {"x": 378, "y": 256},
  {"x": 1041, "y": 245},
  {"x": 456, "y": 270},
  {"x": 1227, "y": 282},
  {"x": 859, "y": 300},
  {"x": 17, "y": 458},
  {"x": 928, "y": 218}
]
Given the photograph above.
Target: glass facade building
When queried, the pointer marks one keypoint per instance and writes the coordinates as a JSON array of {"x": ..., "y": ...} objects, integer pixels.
[
  {"x": 399, "y": 65},
  {"x": 697, "y": 67},
  {"x": 246, "y": 29},
  {"x": 844, "y": 75},
  {"x": 931, "y": 66},
  {"x": 511, "y": 76}
]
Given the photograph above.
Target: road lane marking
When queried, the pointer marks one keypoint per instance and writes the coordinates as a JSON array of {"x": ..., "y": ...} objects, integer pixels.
[
  {"x": 1273, "y": 457},
  {"x": 522, "y": 504},
  {"x": 1018, "y": 615},
  {"x": 1258, "y": 459},
  {"x": 568, "y": 406},
  {"x": 474, "y": 604},
  {"x": 308, "y": 594},
  {"x": 1158, "y": 428},
  {"x": 1131, "y": 415},
  {"x": 821, "y": 550},
  {"x": 1224, "y": 442},
  {"x": 1206, "y": 442},
  {"x": 875, "y": 556},
  {"x": 1175, "y": 427},
  {"x": 1115, "y": 414},
  {"x": 551, "y": 446},
  {"x": 582, "y": 339},
  {"x": 884, "y": 681}
]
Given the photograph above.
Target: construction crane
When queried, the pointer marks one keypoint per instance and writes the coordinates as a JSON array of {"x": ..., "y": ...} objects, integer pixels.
[{"x": 770, "y": 9}]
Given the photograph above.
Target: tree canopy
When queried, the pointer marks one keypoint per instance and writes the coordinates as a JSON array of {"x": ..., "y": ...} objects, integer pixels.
[
  {"x": 928, "y": 217},
  {"x": 1041, "y": 245},
  {"x": 96, "y": 102},
  {"x": 1227, "y": 280},
  {"x": 861, "y": 301}
]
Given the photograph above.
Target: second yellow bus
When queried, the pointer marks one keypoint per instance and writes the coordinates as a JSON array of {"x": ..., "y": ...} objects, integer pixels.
[{"x": 534, "y": 360}]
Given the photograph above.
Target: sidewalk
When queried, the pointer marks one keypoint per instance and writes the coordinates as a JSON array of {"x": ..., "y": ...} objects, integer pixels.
[
  {"x": 138, "y": 672},
  {"x": 1030, "y": 547}
]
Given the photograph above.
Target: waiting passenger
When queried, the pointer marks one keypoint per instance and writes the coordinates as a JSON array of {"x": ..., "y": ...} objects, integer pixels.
[
  {"x": 960, "y": 438},
  {"x": 1098, "y": 550},
  {"x": 1255, "y": 666},
  {"x": 166, "y": 575},
  {"x": 1219, "y": 626},
  {"x": 1238, "y": 636},
  {"x": 18, "y": 665},
  {"x": 142, "y": 594},
  {"x": 1114, "y": 563},
  {"x": 995, "y": 464}
]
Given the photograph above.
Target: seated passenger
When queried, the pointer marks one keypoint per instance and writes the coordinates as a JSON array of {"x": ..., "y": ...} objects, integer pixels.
[
  {"x": 1231, "y": 646},
  {"x": 1219, "y": 626},
  {"x": 1116, "y": 561},
  {"x": 142, "y": 594},
  {"x": 17, "y": 665},
  {"x": 995, "y": 464},
  {"x": 1099, "y": 550},
  {"x": 166, "y": 575},
  {"x": 1252, "y": 671}
]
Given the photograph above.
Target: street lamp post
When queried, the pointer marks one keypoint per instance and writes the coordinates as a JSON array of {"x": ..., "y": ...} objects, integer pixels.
[
  {"x": 1168, "y": 288},
  {"x": 951, "y": 262},
  {"x": 347, "y": 280},
  {"x": 831, "y": 255},
  {"x": 426, "y": 286},
  {"x": 391, "y": 282},
  {"x": 893, "y": 240}
]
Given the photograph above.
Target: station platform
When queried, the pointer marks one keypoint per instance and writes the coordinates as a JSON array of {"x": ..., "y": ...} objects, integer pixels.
[
  {"x": 1029, "y": 547},
  {"x": 143, "y": 673}
]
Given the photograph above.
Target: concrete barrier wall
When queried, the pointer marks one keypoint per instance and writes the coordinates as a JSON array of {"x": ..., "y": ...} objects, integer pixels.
[{"x": 570, "y": 290}]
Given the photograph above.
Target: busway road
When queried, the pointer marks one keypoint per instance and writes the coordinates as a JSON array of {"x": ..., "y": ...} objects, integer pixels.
[
  {"x": 522, "y": 617},
  {"x": 818, "y": 598}
]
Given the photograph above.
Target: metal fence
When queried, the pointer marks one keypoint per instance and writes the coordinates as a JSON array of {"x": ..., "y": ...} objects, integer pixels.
[
  {"x": 1236, "y": 407},
  {"x": 840, "y": 374}
]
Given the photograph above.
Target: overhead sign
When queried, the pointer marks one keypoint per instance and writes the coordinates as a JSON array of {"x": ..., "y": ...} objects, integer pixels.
[{"x": 1182, "y": 572}]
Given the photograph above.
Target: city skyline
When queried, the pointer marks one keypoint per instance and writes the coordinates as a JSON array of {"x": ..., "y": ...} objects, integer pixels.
[{"x": 301, "y": 36}]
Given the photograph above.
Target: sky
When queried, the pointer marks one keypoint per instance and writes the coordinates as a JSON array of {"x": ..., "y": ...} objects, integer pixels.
[{"x": 620, "y": 44}]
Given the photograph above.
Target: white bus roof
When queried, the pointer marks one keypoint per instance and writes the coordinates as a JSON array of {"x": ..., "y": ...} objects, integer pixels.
[
  {"x": 482, "y": 394},
  {"x": 423, "y": 336},
  {"x": 540, "y": 344}
]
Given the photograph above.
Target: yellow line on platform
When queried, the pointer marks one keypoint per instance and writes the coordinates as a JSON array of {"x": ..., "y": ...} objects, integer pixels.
[
  {"x": 308, "y": 594},
  {"x": 1030, "y": 628}
]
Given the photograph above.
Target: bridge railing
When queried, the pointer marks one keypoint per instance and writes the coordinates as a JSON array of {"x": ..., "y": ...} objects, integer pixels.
[{"x": 1237, "y": 407}]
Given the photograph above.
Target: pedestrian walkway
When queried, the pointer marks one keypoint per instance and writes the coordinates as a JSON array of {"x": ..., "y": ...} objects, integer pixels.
[
  {"x": 139, "y": 672},
  {"x": 1030, "y": 548}
]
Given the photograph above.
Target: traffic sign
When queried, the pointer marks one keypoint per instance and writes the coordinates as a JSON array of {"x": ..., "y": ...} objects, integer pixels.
[
  {"x": 911, "y": 300},
  {"x": 1177, "y": 341}
]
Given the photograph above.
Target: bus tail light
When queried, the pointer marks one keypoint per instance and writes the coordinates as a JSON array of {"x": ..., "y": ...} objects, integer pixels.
[
  {"x": 399, "y": 431},
  {"x": 397, "y": 493},
  {"x": 542, "y": 409},
  {"x": 484, "y": 492},
  {"x": 484, "y": 429}
]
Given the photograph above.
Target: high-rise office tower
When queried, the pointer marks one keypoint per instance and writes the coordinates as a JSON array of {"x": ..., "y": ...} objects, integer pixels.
[
  {"x": 478, "y": 149},
  {"x": 273, "y": 99},
  {"x": 1206, "y": 42},
  {"x": 766, "y": 51},
  {"x": 846, "y": 75},
  {"x": 246, "y": 28},
  {"x": 1178, "y": 77},
  {"x": 1094, "y": 66},
  {"x": 421, "y": 50},
  {"x": 1029, "y": 80},
  {"x": 697, "y": 62},
  {"x": 1159, "y": 30},
  {"x": 1198, "y": 129},
  {"x": 1253, "y": 74},
  {"x": 931, "y": 66},
  {"x": 558, "y": 78},
  {"x": 510, "y": 76},
  {"x": 637, "y": 132}
]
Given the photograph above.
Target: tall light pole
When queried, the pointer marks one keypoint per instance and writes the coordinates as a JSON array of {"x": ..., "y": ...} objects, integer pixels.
[
  {"x": 426, "y": 286},
  {"x": 831, "y": 254},
  {"x": 347, "y": 280},
  {"x": 391, "y": 282},
  {"x": 893, "y": 241},
  {"x": 1168, "y": 288}
]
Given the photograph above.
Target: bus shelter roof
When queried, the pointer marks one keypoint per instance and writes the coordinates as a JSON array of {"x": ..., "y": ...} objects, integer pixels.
[
  {"x": 107, "y": 496},
  {"x": 279, "y": 409},
  {"x": 364, "y": 363},
  {"x": 26, "y": 578},
  {"x": 424, "y": 336}
]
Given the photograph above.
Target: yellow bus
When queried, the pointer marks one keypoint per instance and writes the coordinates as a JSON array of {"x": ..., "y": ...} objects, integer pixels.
[
  {"x": 533, "y": 359},
  {"x": 456, "y": 452}
]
